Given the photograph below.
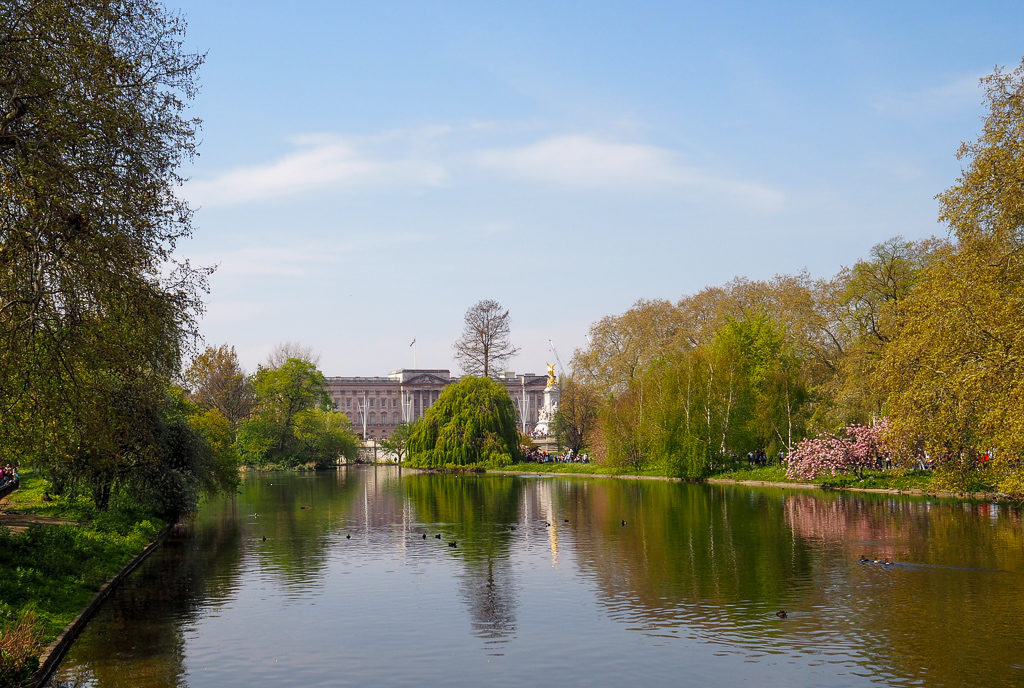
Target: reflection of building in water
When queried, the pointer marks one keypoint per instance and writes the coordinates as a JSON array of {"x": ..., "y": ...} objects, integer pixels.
[
  {"x": 538, "y": 505},
  {"x": 375, "y": 405}
]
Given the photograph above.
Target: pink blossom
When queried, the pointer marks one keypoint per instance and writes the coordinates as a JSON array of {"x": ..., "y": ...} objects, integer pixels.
[{"x": 852, "y": 449}]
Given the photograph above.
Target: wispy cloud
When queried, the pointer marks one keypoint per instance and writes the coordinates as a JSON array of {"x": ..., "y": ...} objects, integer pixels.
[
  {"x": 233, "y": 310},
  {"x": 582, "y": 161},
  {"x": 300, "y": 259},
  {"x": 431, "y": 156},
  {"x": 959, "y": 92},
  {"x": 321, "y": 161}
]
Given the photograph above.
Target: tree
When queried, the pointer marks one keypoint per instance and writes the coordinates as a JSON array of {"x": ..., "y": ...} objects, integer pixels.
[
  {"x": 953, "y": 370},
  {"x": 398, "y": 444},
  {"x": 323, "y": 436},
  {"x": 484, "y": 343},
  {"x": 216, "y": 380},
  {"x": 472, "y": 423},
  {"x": 92, "y": 132},
  {"x": 853, "y": 449},
  {"x": 620, "y": 345},
  {"x": 285, "y": 350},
  {"x": 294, "y": 421},
  {"x": 576, "y": 414},
  {"x": 220, "y": 433}
]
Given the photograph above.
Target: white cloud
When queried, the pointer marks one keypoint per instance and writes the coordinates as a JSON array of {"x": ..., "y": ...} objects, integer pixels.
[
  {"x": 299, "y": 259},
  {"x": 430, "y": 156},
  {"x": 960, "y": 92},
  {"x": 322, "y": 161},
  {"x": 576, "y": 160}
]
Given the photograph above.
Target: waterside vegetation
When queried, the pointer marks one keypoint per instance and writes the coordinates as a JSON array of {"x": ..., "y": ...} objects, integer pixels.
[
  {"x": 49, "y": 572},
  {"x": 473, "y": 424},
  {"x": 912, "y": 358}
]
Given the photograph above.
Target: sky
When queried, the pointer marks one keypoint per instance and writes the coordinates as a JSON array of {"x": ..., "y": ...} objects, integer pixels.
[{"x": 370, "y": 170}]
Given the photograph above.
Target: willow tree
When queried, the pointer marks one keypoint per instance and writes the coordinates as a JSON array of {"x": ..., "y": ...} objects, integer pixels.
[
  {"x": 472, "y": 423},
  {"x": 93, "y": 128},
  {"x": 954, "y": 370}
]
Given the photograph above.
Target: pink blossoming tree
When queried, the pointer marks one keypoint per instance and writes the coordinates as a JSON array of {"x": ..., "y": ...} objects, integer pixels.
[{"x": 852, "y": 449}]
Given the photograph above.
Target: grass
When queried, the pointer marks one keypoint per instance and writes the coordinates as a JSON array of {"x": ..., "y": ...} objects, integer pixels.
[
  {"x": 580, "y": 469},
  {"x": 871, "y": 480},
  {"x": 50, "y": 572},
  {"x": 875, "y": 480},
  {"x": 771, "y": 474}
]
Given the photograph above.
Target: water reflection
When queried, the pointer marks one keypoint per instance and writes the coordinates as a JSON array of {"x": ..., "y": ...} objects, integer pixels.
[
  {"x": 480, "y": 515},
  {"x": 195, "y": 573},
  {"x": 353, "y": 585}
]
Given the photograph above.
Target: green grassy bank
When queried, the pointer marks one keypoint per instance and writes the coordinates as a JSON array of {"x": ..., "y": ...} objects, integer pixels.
[
  {"x": 904, "y": 481},
  {"x": 50, "y": 571}
]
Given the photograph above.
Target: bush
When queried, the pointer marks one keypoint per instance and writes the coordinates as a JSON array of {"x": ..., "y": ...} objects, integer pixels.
[
  {"x": 690, "y": 462},
  {"x": 20, "y": 646}
]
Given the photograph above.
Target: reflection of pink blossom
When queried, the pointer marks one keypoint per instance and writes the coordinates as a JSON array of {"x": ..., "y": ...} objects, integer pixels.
[{"x": 853, "y": 448}]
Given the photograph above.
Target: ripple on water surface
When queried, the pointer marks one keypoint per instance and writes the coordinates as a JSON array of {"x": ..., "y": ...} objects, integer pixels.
[{"x": 327, "y": 579}]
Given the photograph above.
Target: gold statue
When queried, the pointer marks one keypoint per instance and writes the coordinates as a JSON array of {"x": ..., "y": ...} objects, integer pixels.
[{"x": 551, "y": 375}]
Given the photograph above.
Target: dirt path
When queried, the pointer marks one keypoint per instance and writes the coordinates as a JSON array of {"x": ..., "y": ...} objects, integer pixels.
[{"x": 19, "y": 521}]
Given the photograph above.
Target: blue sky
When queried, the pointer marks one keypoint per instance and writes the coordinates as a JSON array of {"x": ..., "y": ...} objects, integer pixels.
[{"x": 368, "y": 171}]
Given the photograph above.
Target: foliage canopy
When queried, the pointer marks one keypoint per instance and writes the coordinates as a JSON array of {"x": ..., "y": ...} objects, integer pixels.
[{"x": 473, "y": 423}]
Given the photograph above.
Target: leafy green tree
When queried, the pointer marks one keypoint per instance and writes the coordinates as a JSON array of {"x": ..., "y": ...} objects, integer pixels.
[
  {"x": 323, "y": 436},
  {"x": 473, "y": 423},
  {"x": 220, "y": 434},
  {"x": 953, "y": 370},
  {"x": 398, "y": 444},
  {"x": 293, "y": 421},
  {"x": 93, "y": 310}
]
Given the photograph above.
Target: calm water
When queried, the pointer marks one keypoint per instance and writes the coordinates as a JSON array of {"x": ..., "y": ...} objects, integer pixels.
[{"x": 344, "y": 590}]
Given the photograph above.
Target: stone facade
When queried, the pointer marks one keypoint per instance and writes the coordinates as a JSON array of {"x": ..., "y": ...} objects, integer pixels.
[{"x": 375, "y": 405}]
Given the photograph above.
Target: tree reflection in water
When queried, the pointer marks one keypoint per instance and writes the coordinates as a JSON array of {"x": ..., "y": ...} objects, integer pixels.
[
  {"x": 196, "y": 569},
  {"x": 705, "y": 566},
  {"x": 476, "y": 512}
]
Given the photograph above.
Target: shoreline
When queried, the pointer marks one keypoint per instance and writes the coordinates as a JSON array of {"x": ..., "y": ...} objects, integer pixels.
[
  {"x": 52, "y": 655},
  {"x": 912, "y": 492}
]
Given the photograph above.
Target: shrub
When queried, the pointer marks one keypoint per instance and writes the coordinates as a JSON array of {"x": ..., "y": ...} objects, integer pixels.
[{"x": 20, "y": 646}]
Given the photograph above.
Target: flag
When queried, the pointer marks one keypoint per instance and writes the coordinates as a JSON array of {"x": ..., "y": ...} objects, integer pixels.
[{"x": 412, "y": 342}]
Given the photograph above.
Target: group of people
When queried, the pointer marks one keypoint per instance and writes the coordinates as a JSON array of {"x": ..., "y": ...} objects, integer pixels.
[
  {"x": 569, "y": 456},
  {"x": 8, "y": 474}
]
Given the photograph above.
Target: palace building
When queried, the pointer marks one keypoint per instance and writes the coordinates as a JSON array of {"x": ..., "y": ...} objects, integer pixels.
[{"x": 375, "y": 405}]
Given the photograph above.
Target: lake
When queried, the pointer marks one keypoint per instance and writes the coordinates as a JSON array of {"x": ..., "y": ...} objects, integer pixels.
[{"x": 326, "y": 579}]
